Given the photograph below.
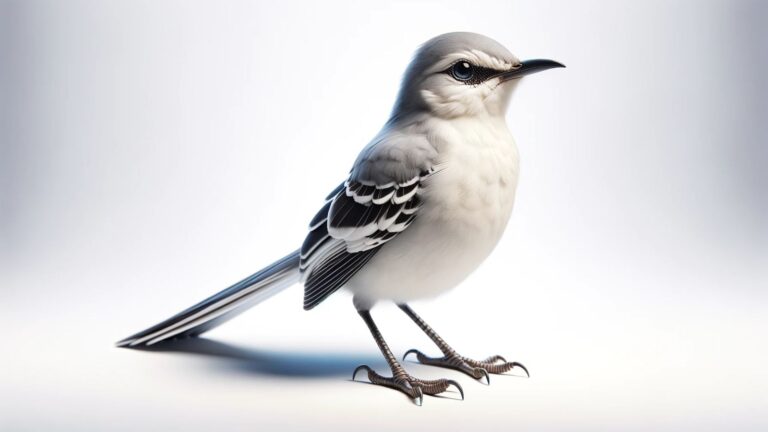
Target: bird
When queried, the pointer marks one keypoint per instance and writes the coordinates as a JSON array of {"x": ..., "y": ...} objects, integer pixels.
[{"x": 425, "y": 202}]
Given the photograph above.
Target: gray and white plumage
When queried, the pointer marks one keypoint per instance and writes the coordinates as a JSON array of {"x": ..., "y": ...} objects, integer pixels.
[{"x": 424, "y": 204}]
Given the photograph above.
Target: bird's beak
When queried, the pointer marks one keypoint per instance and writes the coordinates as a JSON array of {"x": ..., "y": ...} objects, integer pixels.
[{"x": 530, "y": 67}]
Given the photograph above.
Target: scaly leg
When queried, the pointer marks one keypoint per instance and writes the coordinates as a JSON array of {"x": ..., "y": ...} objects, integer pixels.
[
  {"x": 451, "y": 359},
  {"x": 414, "y": 387}
]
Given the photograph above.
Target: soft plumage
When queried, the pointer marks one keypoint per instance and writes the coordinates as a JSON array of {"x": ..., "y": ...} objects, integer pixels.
[{"x": 424, "y": 204}]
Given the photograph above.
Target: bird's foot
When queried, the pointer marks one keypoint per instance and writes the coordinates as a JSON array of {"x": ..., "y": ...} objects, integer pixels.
[
  {"x": 415, "y": 388},
  {"x": 475, "y": 368}
]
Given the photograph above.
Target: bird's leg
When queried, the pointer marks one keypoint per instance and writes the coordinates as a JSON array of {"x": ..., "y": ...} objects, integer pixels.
[
  {"x": 451, "y": 359},
  {"x": 414, "y": 387}
]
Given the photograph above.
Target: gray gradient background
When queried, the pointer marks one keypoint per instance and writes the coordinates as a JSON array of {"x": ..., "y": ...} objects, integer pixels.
[{"x": 154, "y": 152}]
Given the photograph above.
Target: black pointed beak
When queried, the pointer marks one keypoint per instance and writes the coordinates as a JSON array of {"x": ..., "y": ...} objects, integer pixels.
[{"x": 530, "y": 67}]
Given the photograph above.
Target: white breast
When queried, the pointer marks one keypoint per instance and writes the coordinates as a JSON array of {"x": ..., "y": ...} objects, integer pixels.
[{"x": 467, "y": 205}]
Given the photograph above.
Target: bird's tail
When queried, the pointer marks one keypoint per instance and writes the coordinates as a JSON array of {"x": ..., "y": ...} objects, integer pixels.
[{"x": 222, "y": 306}]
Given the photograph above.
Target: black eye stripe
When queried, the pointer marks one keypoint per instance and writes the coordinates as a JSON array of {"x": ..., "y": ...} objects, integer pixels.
[{"x": 479, "y": 73}]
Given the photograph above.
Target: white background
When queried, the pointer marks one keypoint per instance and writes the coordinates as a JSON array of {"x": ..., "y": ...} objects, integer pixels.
[{"x": 155, "y": 152}]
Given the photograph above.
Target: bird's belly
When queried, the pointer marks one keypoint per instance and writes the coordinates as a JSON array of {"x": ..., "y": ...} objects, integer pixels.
[
  {"x": 466, "y": 208},
  {"x": 424, "y": 263}
]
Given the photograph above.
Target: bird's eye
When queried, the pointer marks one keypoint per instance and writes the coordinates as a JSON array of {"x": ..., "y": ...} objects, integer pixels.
[{"x": 463, "y": 70}]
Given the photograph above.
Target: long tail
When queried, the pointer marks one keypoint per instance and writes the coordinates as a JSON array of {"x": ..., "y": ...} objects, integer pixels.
[{"x": 222, "y": 306}]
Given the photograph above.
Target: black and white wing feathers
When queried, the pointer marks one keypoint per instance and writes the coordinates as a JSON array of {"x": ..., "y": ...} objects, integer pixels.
[{"x": 380, "y": 199}]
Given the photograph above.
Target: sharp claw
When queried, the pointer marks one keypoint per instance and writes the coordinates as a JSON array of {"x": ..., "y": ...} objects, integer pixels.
[
  {"x": 419, "y": 398},
  {"x": 458, "y": 387},
  {"x": 412, "y": 350},
  {"x": 500, "y": 358},
  {"x": 487, "y": 377},
  {"x": 357, "y": 369},
  {"x": 520, "y": 365}
]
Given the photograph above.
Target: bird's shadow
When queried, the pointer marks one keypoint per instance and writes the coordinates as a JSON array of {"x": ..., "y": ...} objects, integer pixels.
[{"x": 288, "y": 364}]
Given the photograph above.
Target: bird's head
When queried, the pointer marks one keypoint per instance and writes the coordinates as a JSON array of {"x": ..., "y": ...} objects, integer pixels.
[{"x": 462, "y": 75}]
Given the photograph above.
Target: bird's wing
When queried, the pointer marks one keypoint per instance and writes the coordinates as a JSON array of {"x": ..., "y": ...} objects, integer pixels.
[{"x": 379, "y": 200}]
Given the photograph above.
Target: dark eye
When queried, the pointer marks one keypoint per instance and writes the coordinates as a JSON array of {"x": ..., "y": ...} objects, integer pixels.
[{"x": 463, "y": 71}]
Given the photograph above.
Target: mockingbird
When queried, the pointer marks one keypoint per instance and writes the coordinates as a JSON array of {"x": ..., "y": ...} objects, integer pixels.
[{"x": 424, "y": 204}]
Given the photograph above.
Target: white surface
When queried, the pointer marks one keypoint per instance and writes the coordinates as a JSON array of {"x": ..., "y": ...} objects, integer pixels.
[{"x": 151, "y": 156}]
